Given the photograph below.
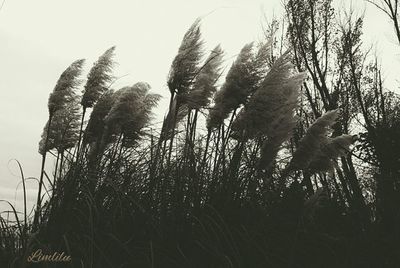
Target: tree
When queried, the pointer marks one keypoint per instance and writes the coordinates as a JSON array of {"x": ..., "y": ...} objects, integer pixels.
[{"x": 390, "y": 8}]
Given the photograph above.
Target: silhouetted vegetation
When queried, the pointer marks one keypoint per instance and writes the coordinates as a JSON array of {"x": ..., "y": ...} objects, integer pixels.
[{"x": 291, "y": 159}]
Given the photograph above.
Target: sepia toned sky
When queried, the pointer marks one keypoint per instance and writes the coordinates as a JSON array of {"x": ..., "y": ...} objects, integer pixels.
[{"x": 39, "y": 39}]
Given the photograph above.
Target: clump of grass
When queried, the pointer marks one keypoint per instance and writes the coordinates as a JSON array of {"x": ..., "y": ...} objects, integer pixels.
[{"x": 212, "y": 191}]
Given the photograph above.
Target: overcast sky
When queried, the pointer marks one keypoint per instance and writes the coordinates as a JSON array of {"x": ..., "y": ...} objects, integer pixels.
[{"x": 39, "y": 39}]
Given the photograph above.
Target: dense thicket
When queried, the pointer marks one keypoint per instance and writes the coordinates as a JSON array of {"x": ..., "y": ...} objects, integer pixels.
[{"x": 292, "y": 159}]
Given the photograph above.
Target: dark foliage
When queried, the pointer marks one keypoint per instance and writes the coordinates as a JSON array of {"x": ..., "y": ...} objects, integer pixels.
[{"x": 283, "y": 170}]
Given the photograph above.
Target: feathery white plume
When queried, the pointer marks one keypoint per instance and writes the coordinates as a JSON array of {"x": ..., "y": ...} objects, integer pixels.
[
  {"x": 98, "y": 78},
  {"x": 64, "y": 90},
  {"x": 185, "y": 65},
  {"x": 313, "y": 141}
]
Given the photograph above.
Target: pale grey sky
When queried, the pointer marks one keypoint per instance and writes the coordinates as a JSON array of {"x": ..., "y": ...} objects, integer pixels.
[{"x": 39, "y": 39}]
